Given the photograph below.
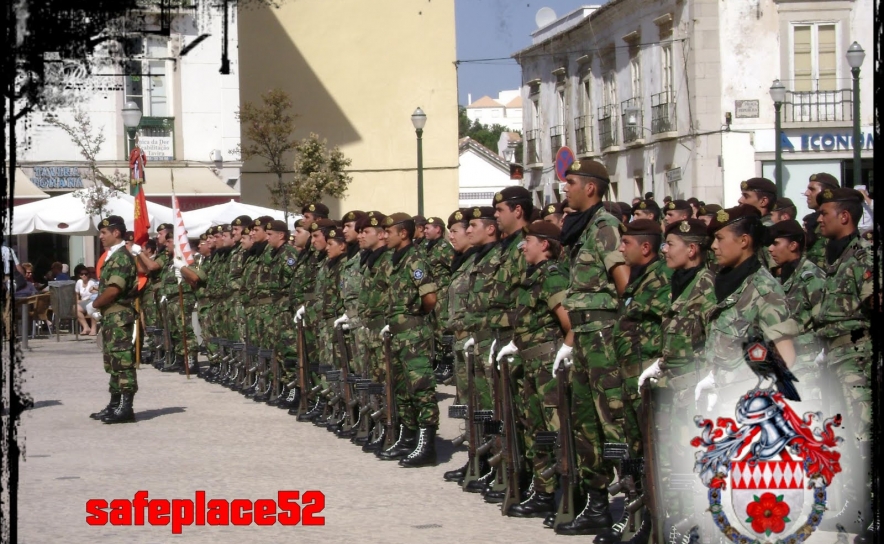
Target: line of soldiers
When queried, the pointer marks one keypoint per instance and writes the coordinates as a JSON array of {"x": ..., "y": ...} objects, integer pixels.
[{"x": 582, "y": 338}]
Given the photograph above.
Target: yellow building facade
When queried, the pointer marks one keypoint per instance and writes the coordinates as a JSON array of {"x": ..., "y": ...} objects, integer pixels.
[{"x": 356, "y": 71}]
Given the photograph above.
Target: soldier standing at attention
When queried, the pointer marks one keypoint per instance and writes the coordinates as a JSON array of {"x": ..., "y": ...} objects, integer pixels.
[
  {"x": 598, "y": 275},
  {"x": 552, "y": 213},
  {"x": 816, "y": 242},
  {"x": 279, "y": 316},
  {"x": 419, "y": 239},
  {"x": 843, "y": 325},
  {"x": 116, "y": 291},
  {"x": 439, "y": 255},
  {"x": 412, "y": 297},
  {"x": 677, "y": 210},
  {"x": 761, "y": 194},
  {"x": 783, "y": 210}
]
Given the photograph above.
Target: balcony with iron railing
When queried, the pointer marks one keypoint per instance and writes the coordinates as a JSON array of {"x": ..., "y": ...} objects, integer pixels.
[
  {"x": 818, "y": 106},
  {"x": 555, "y": 137},
  {"x": 532, "y": 153},
  {"x": 663, "y": 113},
  {"x": 632, "y": 131},
  {"x": 583, "y": 132},
  {"x": 607, "y": 126}
]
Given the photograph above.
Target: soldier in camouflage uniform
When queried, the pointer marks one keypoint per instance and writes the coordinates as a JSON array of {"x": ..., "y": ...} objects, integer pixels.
[
  {"x": 258, "y": 285},
  {"x": 803, "y": 283},
  {"x": 149, "y": 298},
  {"x": 816, "y": 242},
  {"x": 552, "y": 213},
  {"x": 419, "y": 239},
  {"x": 843, "y": 320},
  {"x": 439, "y": 255},
  {"x": 760, "y": 193},
  {"x": 597, "y": 276},
  {"x": 232, "y": 305},
  {"x": 116, "y": 292},
  {"x": 677, "y": 372},
  {"x": 750, "y": 307},
  {"x": 175, "y": 305},
  {"x": 216, "y": 288},
  {"x": 638, "y": 331},
  {"x": 411, "y": 295},
  {"x": 541, "y": 323},
  {"x": 304, "y": 270}
]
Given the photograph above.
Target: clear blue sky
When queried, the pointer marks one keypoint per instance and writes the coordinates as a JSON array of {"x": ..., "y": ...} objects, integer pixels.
[{"x": 493, "y": 29}]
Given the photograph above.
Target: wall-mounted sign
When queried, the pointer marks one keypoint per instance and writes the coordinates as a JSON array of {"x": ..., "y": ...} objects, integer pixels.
[
  {"x": 673, "y": 175},
  {"x": 815, "y": 140},
  {"x": 746, "y": 109},
  {"x": 158, "y": 148},
  {"x": 57, "y": 177}
]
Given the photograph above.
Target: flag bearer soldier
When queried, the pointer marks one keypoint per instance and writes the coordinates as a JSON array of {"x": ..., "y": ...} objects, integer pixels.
[
  {"x": 598, "y": 275},
  {"x": 116, "y": 292}
]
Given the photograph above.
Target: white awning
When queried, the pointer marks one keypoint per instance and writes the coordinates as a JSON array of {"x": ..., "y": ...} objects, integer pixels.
[
  {"x": 192, "y": 181},
  {"x": 25, "y": 188}
]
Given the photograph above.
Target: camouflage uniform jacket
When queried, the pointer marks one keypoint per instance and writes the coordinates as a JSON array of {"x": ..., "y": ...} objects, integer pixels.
[
  {"x": 249, "y": 273},
  {"x": 327, "y": 287},
  {"x": 375, "y": 282},
  {"x": 236, "y": 264},
  {"x": 282, "y": 271},
  {"x": 816, "y": 252},
  {"x": 845, "y": 305},
  {"x": 202, "y": 266},
  {"x": 439, "y": 255},
  {"x": 804, "y": 290},
  {"x": 757, "y": 309},
  {"x": 119, "y": 270},
  {"x": 155, "y": 277},
  {"x": 262, "y": 287},
  {"x": 458, "y": 290},
  {"x": 170, "y": 282},
  {"x": 595, "y": 254},
  {"x": 684, "y": 324},
  {"x": 638, "y": 330},
  {"x": 409, "y": 280},
  {"x": 351, "y": 281},
  {"x": 216, "y": 284},
  {"x": 252, "y": 273},
  {"x": 478, "y": 304},
  {"x": 306, "y": 268},
  {"x": 538, "y": 295},
  {"x": 506, "y": 279}
]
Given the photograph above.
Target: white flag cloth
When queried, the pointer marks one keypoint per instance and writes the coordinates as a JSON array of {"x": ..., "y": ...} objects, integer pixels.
[{"x": 179, "y": 233}]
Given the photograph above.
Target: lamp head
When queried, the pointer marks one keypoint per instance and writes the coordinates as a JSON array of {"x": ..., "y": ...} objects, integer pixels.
[
  {"x": 855, "y": 55},
  {"x": 631, "y": 116},
  {"x": 418, "y": 119},
  {"x": 777, "y": 92},
  {"x": 131, "y": 115}
]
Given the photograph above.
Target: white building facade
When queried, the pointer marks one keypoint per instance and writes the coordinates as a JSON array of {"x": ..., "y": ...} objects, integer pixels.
[
  {"x": 188, "y": 129},
  {"x": 506, "y": 110},
  {"x": 481, "y": 174},
  {"x": 673, "y": 96}
]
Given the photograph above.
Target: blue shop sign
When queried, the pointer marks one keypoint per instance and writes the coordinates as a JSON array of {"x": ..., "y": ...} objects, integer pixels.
[
  {"x": 826, "y": 141},
  {"x": 57, "y": 177}
]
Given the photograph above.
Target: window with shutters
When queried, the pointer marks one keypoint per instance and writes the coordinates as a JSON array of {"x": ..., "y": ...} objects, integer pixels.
[{"x": 814, "y": 57}]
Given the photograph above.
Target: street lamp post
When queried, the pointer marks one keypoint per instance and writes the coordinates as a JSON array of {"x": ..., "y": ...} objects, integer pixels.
[
  {"x": 855, "y": 57},
  {"x": 778, "y": 94},
  {"x": 131, "y": 119},
  {"x": 419, "y": 119}
]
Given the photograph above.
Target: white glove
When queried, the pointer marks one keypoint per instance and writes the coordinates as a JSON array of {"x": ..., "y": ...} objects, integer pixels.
[
  {"x": 706, "y": 383},
  {"x": 652, "y": 371},
  {"x": 469, "y": 344},
  {"x": 711, "y": 399},
  {"x": 299, "y": 315},
  {"x": 136, "y": 250},
  {"x": 509, "y": 349},
  {"x": 178, "y": 264},
  {"x": 178, "y": 274},
  {"x": 343, "y": 320},
  {"x": 820, "y": 358},
  {"x": 491, "y": 352},
  {"x": 162, "y": 299},
  {"x": 385, "y": 330},
  {"x": 563, "y": 355}
]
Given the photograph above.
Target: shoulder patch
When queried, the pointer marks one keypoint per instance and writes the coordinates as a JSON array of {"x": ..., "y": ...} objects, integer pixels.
[
  {"x": 418, "y": 274},
  {"x": 290, "y": 261}
]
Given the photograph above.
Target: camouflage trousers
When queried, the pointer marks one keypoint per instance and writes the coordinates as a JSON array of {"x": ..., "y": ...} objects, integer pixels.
[
  {"x": 633, "y": 417},
  {"x": 203, "y": 311},
  {"x": 482, "y": 375},
  {"x": 848, "y": 370},
  {"x": 151, "y": 315},
  {"x": 460, "y": 372},
  {"x": 179, "y": 330},
  {"x": 539, "y": 400},
  {"x": 416, "y": 399},
  {"x": 118, "y": 351},
  {"x": 284, "y": 336},
  {"x": 596, "y": 404}
]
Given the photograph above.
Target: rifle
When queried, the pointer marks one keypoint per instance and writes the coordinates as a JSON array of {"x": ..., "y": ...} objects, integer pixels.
[
  {"x": 567, "y": 466},
  {"x": 390, "y": 423},
  {"x": 652, "y": 492},
  {"x": 511, "y": 454},
  {"x": 345, "y": 385},
  {"x": 302, "y": 369},
  {"x": 183, "y": 328},
  {"x": 629, "y": 472},
  {"x": 473, "y": 468},
  {"x": 494, "y": 427},
  {"x": 167, "y": 335}
]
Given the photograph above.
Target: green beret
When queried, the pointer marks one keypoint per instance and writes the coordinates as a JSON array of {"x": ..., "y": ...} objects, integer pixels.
[
  {"x": 641, "y": 227},
  {"x": 318, "y": 209},
  {"x": 508, "y": 194},
  {"x": 785, "y": 229},
  {"x": 708, "y": 209},
  {"x": 241, "y": 221},
  {"x": 481, "y": 212},
  {"x": 419, "y": 220},
  {"x": 841, "y": 194},
  {"x": 162, "y": 226},
  {"x": 396, "y": 219},
  {"x": 436, "y": 221},
  {"x": 371, "y": 219},
  {"x": 680, "y": 205},
  {"x": 353, "y": 216},
  {"x": 543, "y": 229},
  {"x": 276, "y": 226},
  {"x": 322, "y": 224},
  {"x": 262, "y": 221},
  {"x": 115, "y": 221},
  {"x": 729, "y": 216},
  {"x": 784, "y": 203},
  {"x": 458, "y": 216},
  {"x": 646, "y": 205},
  {"x": 759, "y": 184},
  {"x": 589, "y": 168},
  {"x": 551, "y": 209},
  {"x": 689, "y": 229},
  {"x": 825, "y": 179}
]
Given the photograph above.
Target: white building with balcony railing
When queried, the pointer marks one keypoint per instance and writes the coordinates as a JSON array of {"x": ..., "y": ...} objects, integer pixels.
[{"x": 673, "y": 96}]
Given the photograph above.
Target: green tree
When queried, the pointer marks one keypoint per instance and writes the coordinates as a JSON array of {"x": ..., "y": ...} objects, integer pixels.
[
  {"x": 319, "y": 172},
  {"x": 484, "y": 134},
  {"x": 267, "y": 129}
]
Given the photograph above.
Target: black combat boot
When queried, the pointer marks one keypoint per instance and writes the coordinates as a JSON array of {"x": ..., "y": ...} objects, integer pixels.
[
  {"x": 643, "y": 535},
  {"x": 595, "y": 517},
  {"x": 211, "y": 373},
  {"x": 193, "y": 367},
  {"x": 291, "y": 399},
  {"x": 402, "y": 447},
  {"x": 123, "y": 413},
  {"x": 550, "y": 520},
  {"x": 424, "y": 453},
  {"x": 114, "y": 401},
  {"x": 177, "y": 364},
  {"x": 537, "y": 505},
  {"x": 477, "y": 486},
  {"x": 376, "y": 445},
  {"x": 456, "y": 474},
  {"x": 314, "y": 412},
  {"x": 445, "y": 372},
  {"x": 280, "y": 398},
  {"x": 262, "y": 397}
]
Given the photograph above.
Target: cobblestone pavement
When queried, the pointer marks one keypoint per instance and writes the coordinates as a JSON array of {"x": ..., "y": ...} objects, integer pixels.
[{"x": 192, "y": 436}]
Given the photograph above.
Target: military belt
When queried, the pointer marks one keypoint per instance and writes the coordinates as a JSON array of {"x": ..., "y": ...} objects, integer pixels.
[
  {"x": 409, "y": 323},
  {"x": 849, "y": 338},
  {"x": 805, "y": 349},
  {"x": 684, "y": 381},
  {"x": 631, "y": 370},
  {"x": 375, "y": 324},
  {"x": 309, "y": 297},
  {"x": 536, "y": 352},
  {"x": 460, "y": 335},
  {"x": 483, "y": 335},
  {"x": 264, "y": 300},
  {"x": 582, "y": 317}
]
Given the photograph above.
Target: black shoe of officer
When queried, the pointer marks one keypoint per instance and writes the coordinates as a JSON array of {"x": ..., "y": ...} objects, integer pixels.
[
  {"x": 446, "y": 373},
  {"x": 376, "y": 445},
  {"x": 193, "y": 367},
  {"x": 643, "y": 535},
  {"x": 177, "y": 365},
  {"x": 262, "y": 397},
  {"x": 424, "y": 452},
  {"x": 402, "y": 447},
  {"x": 495, "y": 497},
  {"x": 595, "y": 517},
  {"x": 477, "y": 486},
  {"x": 250, "y": 392},
  {"x": 549, "y": 521},
  {"x": 537, "y": 505},
  {"x": 123, "y": 412},
  {"x": 280, "y": 398},
  {"x": 348, "y": 433},
  {"x": 456, "y": 474},
  {"x": 291, "y": 400},
  {"x": 314, "y": 412},
  {"x": 114, "y": 402}
]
